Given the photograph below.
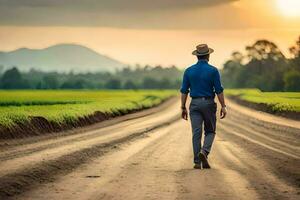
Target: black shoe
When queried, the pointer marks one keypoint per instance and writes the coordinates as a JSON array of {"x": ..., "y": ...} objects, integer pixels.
[
  {"x": 204, "y": 160},
  {"x": 197, "y": 166}
]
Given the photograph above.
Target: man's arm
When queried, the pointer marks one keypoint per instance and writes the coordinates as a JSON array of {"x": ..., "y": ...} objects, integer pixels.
[
  {"x": 221, "y": 99},
  {"x": 184, "y": 113},
  {"x": 219, "y": 91},
  {"x": 184, "y": 93},
  {"x": 223, "y": 111}
]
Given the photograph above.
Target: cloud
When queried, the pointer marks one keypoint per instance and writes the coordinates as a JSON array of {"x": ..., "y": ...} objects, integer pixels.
[
  {"x": 111, "y": 13},
  {"x": 113, "y": 5}
]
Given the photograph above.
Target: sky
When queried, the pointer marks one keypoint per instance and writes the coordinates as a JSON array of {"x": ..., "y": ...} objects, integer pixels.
[{"x": 149, "y": 32}]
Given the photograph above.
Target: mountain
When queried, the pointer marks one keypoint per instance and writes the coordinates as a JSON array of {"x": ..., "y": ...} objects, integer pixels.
[{"x": 61, "y": 58}]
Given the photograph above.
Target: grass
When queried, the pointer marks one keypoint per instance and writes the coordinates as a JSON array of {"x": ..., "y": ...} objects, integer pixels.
[
  {"x": 62, "y": 106},
  {"x": 277, "y": 101}
]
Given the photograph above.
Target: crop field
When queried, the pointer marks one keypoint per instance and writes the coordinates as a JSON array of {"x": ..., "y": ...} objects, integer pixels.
[
  {"x": 62, "y": 106},
  {"x": 276, "y": 101}
]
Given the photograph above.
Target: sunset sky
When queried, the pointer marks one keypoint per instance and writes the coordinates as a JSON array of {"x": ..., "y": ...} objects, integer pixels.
[{"x": 149, "y": 32}]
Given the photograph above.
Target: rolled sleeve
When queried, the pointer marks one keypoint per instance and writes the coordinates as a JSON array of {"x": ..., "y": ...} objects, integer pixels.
[
  {"x": 217, "y": 83},
  {"x": 185, "y": 84}
]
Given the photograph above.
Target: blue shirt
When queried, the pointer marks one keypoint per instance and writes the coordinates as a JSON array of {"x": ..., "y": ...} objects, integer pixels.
[{"x": 201, "y": 80}]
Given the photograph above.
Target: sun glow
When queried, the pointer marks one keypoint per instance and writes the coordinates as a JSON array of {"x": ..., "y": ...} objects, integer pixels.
[{"x": 289, "y": 7}]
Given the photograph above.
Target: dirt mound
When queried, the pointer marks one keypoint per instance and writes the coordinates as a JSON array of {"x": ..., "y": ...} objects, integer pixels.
[
  {"x": 39, "y": 125},
  {"x": 266, "y": 108}
]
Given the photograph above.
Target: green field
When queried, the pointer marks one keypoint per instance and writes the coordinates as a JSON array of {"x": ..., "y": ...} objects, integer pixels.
[
  {"x": 276, "y": 101},
  {"x": 62, "y": 106}
]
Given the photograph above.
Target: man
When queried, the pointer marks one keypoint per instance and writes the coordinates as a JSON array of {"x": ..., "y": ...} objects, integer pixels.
[{"x": 202, "y": 81}]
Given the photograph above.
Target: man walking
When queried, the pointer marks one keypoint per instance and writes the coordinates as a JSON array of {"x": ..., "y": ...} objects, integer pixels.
[{"x": 202, "y": 81}]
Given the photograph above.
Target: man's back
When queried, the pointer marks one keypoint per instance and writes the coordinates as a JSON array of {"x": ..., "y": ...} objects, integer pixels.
[{"x": 202, "y": 79}]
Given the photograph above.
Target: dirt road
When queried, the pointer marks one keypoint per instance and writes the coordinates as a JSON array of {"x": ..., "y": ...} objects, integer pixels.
[{"x": 149, "y": 156}]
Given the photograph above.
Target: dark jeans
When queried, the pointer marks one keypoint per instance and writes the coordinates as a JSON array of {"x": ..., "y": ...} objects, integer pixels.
[{"x": 203, "y": 112}]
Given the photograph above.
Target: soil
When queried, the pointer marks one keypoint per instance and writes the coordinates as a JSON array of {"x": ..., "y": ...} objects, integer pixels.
[
  {"x": 266, "y": 108},
  {"x": 41, "y": 126},
  {"x": 255, "y": 156}
]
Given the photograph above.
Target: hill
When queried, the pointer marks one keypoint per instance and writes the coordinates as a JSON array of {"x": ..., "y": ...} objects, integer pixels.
[{"x": 61, "y": 58}]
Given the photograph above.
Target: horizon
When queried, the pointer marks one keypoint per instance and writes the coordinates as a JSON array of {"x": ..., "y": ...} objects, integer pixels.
[
  {"x": 141, "y": 33},
  {"x": 218, "y": 58}
]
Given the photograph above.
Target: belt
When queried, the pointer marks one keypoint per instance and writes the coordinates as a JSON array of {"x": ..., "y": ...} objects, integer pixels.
[{"x": 203, "y": 98}]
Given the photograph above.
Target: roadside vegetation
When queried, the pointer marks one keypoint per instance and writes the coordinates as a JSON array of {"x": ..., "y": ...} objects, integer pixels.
[
  {"x": 264, "y": 66},
  {"x": 66, "y": 106},
  {"x": 138, "y": 77},
  {"x": 274, "y": 102}
]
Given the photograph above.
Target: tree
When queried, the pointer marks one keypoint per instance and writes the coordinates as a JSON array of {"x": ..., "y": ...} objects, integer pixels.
[
  {"x": 79, "y": 84},
  {"x": 50, "y": 82},
  {"x": 264, "y": 67},
  {"x": 12, "y": 79},
  {"x": 264, "y": 50},
  {"x": 232, "y": 69},
  {"x": 113, "y": 84},
  {"x": 127, "y": 78},
  {"x": 149, "y": 83},
  {"x": 73, "y": 84},
  {"x": 292, "y": 81},
  {"x": 130, "y": 85},
  {"x": 295, "y": 52},
  {"x": 165, "y": 83}
]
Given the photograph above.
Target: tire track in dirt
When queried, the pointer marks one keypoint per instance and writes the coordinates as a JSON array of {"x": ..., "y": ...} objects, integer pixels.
[
  {"x": 151, "y": 158},
  {"x": 258, "y": 176},
  {"x": 282, "y": 133},
  {"x": 282, "y": 164},
  {"x": 156, "y": 167},
  {"x": 261, "y": 136},
  {"x": 25, "y": 172},
  {"x": 74, "y": 142},
  {"x": 258, "y": 142},
  {"x": 19, "y": 147}
]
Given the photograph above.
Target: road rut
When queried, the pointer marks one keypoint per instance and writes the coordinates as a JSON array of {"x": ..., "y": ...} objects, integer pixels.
[{"x": 255, "y": 156}]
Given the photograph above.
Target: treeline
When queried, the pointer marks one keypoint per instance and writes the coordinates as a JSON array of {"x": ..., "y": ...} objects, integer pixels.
[
  {"x": 265, "y": 67},
  {"x": 137, "y": 77}
]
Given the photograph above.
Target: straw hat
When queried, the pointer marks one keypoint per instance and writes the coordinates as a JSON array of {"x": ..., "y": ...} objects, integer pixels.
[{"x": 202, "y": 49}]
